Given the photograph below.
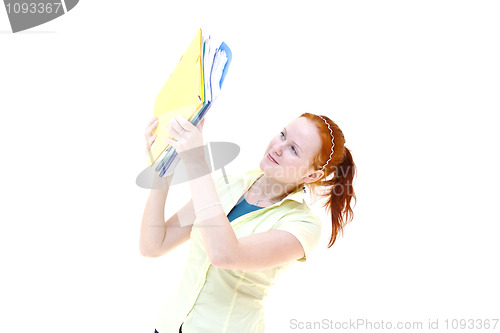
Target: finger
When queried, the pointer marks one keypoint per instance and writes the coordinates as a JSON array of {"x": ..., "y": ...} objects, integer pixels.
[
  {"x": 171, "y": 142},
  {"x": 174, "y": 129},
  {"x": 151, "y": 127},
  {"x": 186, "y": 124},
  {"x": 152, "y": 120},
  {"x": 151, "y": 141}
]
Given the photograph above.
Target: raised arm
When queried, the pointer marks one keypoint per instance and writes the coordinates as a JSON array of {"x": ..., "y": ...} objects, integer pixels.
[{"x": 158, "y": 237}]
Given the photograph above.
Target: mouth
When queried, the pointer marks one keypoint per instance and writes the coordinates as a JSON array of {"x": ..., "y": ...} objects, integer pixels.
[{"x": 271, "y": 159}]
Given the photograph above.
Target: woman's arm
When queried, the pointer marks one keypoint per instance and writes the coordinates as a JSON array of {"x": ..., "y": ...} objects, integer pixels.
[
  {"x": 158, "y": 237},
  {"x": 224, "y": 250},
  {"x": 153, "y": 226}
]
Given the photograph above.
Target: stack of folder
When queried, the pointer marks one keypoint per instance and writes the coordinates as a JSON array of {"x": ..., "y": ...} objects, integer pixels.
[{"x": 190, "y": 90}]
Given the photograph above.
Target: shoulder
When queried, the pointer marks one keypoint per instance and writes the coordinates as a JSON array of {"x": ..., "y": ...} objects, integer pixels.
[
  {"x": 301, "y": 213},
  {"x": 303, "y": 224}
]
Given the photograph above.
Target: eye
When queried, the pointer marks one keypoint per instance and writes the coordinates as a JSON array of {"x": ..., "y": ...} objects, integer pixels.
[{"x": 293, "y": 148}]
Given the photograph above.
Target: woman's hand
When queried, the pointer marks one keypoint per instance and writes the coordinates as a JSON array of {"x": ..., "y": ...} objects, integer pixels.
[
  {"x": 153, "y": 123},
  {"x": 187, "y": 137}
]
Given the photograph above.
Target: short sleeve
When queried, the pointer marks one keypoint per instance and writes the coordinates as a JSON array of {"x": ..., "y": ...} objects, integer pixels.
[{"x": 305, "y": 226}]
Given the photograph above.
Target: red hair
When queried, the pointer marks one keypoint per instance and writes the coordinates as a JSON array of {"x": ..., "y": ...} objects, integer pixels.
[{"x": 340, "y": 191}]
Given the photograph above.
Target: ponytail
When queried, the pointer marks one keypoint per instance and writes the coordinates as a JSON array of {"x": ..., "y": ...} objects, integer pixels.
[{"x": 339, "y": 197}]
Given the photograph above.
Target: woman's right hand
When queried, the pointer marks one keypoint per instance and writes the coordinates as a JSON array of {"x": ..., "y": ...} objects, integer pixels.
[{"x": 153, "y": 123}]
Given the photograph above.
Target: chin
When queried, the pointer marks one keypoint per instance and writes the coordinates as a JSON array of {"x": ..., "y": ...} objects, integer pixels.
[
  {"x": 263, "y": 165},
  {"x": 270, "y": 170}
]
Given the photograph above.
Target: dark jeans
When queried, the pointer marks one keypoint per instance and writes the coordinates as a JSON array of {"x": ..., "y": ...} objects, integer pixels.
[{"x": 180, "y": 330}]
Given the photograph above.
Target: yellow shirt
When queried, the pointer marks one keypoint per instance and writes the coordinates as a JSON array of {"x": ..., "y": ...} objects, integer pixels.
[{"x": 211, "y": 299}]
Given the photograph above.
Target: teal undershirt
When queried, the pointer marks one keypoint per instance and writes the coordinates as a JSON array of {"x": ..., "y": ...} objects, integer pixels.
[{"x": 241, "y": 209}]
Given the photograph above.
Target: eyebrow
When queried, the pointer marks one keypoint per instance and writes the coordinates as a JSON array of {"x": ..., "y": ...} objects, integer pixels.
[{"x": 284, "y": 128}]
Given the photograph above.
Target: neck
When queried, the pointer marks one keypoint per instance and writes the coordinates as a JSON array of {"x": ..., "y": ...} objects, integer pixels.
[{"x": 266, "y": 188}]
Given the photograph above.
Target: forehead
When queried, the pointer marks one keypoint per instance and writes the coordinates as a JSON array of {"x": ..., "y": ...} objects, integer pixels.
[{"x": 305, "y": 134}]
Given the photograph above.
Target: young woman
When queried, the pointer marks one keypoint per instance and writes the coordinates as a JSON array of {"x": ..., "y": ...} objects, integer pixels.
[{"x": 245, "y": 230}]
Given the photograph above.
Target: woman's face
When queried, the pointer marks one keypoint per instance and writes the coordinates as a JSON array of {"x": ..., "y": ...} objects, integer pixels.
[{"x": 288, "y": 157}]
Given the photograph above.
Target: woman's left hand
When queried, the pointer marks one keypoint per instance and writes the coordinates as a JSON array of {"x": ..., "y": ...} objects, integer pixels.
[{"x": 186, "y": 137}]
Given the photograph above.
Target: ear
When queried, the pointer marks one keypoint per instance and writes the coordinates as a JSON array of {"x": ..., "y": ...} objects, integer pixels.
[{"x": 314, "y": 176}]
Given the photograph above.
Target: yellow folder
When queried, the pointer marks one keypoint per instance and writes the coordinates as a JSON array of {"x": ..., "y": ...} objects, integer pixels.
[{"x": 182, "y": 94}]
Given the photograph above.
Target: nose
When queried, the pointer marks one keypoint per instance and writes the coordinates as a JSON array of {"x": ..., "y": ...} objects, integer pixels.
[{"x": 278, "y": 148}]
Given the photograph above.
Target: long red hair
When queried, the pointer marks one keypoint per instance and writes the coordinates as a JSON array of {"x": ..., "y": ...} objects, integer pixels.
[{"x": 340, "y": 171}]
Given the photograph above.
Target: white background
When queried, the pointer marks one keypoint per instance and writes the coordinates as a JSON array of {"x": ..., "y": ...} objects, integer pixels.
[{"x": 414, "y": 85}]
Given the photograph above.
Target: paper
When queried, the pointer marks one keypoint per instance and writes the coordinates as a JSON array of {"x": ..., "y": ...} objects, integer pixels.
[{"x": 189, "y": 91}]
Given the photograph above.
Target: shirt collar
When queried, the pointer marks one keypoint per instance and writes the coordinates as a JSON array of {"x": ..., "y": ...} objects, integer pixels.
[{"x": 251, "y": 176}]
